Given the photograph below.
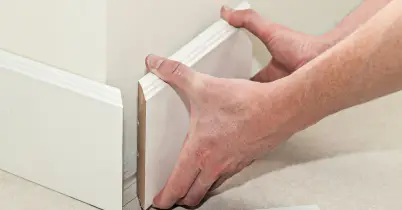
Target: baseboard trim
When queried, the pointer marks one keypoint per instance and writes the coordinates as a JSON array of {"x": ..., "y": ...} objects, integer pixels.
[{"x": 61, "y": 131}]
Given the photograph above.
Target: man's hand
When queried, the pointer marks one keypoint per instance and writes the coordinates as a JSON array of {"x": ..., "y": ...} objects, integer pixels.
[
  {"x": 289, "y": 49},
  {"x": 232, "y": 122}
]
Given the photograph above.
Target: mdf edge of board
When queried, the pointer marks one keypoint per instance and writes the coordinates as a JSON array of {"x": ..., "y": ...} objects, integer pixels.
[
  {"x": 61, "y": 131},
  {"x": 222, "y": 51}
]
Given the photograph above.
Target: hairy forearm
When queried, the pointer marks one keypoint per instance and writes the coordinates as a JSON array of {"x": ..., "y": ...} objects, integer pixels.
[
  {"x": 359, "y": 16},
  {"x": 362, "y": 67}
]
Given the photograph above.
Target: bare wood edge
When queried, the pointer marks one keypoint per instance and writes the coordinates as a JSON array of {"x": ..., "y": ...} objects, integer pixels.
[{"x": 141, "y": 141}]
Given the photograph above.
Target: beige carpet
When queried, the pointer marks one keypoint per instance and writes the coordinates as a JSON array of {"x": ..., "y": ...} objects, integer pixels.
[
  {"x": 352, "y": 160},
  {"x": 19, "y": 194},
  {"x": 363, "y": 181}
]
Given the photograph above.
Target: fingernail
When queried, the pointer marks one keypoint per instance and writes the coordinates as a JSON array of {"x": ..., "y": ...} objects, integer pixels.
[
  {"x": 154, "y": 62},
  {"x": 227, "y": 8}
]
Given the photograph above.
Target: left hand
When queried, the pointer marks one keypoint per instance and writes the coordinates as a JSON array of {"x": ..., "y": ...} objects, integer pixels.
[
  {"x": 289, "y": 49},
  {"x": 232, "y": 122}
]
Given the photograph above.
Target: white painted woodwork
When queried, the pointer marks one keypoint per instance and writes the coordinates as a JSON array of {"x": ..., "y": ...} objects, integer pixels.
[
  {"x": 221, "y": 51},
  {"x": 61, "y": 131}
]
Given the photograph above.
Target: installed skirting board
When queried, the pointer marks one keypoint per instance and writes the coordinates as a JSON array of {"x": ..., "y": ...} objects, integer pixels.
[{"x": 61, "y": 131}]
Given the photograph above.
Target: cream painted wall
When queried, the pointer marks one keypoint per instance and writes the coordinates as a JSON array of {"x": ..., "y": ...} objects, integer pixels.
[{"x": 68, "y": 34}]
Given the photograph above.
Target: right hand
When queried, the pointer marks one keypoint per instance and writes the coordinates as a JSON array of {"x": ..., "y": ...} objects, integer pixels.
[
  {"x": 232, "y": 123},
  {"x": 289, "y": 49}
]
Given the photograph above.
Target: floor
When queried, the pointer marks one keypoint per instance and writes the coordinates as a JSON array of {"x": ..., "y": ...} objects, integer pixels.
[
  {"x": 20, "y": 194},
  {"x": 351, "y": 160}
]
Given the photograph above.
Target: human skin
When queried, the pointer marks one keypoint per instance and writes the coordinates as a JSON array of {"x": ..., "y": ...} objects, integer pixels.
[
  {"x": 291, "y": 49},
  {"x": 233, "y": 122}
]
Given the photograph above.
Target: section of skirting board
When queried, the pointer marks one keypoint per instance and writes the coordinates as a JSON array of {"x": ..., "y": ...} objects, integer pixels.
[
  {"x": 61, "y": 131},
  {"x": 221, "y": 51}
]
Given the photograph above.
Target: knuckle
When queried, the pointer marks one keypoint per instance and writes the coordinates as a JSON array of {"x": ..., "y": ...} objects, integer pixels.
[
  {"x": 267, "y": 36},
  {"x": 171, "y": 66},
  {"x": 201, "y": 160},
  {"x": 242, "y": 165},
  {"x": 232, "y": 169},
  {"x": 178, "y": 72},
  {"x": 249, "y": 14},
  {"x": 219, "y": 170},
  {"x": 216, "y": 174},
  {"x": 177, "y": 69}
]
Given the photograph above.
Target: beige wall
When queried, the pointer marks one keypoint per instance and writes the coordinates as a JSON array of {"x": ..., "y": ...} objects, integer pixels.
[{"x": 68, "y": 34}]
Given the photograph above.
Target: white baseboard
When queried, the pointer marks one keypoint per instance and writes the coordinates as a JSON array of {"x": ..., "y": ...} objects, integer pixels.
[{"x": 61, "y": 131}]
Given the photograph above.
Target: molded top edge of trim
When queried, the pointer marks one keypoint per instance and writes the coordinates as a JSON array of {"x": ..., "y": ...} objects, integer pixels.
[
  {"x": 192, "y": 52},
  {"x": 60, "y": 78}
]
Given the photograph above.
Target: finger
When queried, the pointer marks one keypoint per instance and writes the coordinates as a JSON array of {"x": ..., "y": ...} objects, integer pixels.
[
  {"x": 250, "y": 20},
  {"x": 271, "y": 72},
  {"x": 179, "y": 182},
  {"x": 227, "y": 176},
  {"x": 172, "y": 72},
  {"x": 199, "y": 189},
  {"x": 221, "y": 180}
]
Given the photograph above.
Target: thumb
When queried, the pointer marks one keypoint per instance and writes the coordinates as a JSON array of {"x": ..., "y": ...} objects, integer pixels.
[
  {"x": 250, "y": 20},
  {"x": 270, "y": 73},
  {"x": 172, "y": 72}
]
